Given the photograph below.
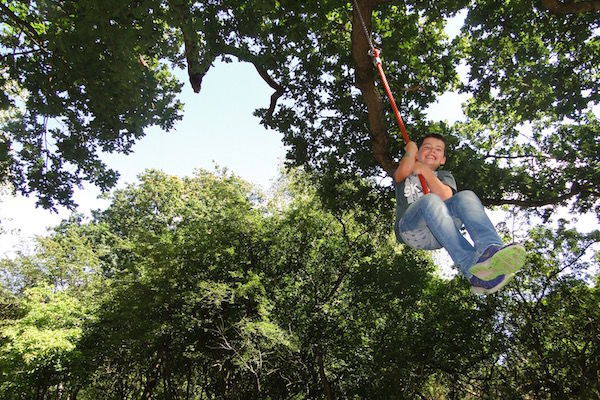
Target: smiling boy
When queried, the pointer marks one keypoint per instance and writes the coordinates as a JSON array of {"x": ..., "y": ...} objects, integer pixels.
[{"x": 434, "y": 220}]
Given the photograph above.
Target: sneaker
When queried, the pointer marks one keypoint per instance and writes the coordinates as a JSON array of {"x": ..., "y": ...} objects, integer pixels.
[
  {"x": 480, "y": 286},
  {"x": 481, "y": 268},
  {"x": 496, "y": 261}
]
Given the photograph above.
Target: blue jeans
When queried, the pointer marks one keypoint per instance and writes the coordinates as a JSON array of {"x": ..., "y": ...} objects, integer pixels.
[{"x": 430, "y": 223}]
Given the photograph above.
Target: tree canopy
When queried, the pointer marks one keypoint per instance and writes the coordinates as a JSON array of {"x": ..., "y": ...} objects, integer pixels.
[
  {"x": 199, "y": 287},
  {"x": 195, "y": 288},
  {"x": 80, "y": 78}
]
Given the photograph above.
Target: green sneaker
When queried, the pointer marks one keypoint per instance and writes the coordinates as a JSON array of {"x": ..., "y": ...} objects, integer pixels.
[{"x": 498, "y": 261}]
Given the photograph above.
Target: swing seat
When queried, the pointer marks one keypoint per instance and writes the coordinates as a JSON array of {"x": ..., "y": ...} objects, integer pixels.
[{"x": 422, "y": 238}]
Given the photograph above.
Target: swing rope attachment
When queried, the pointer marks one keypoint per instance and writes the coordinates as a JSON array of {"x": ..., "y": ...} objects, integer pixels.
[{"x": 374, "y": 54}]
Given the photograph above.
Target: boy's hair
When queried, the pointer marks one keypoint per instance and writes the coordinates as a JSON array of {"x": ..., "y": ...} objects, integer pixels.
[{"x": 435, "y": 136}]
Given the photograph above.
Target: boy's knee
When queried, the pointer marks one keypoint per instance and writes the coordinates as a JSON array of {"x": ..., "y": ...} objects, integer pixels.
[
  {"x": 432, "y": 199},
  {"x": 434, "y": 205},
  {"x": 467, "y": 198},
  {"x": 467, "y": 194}
]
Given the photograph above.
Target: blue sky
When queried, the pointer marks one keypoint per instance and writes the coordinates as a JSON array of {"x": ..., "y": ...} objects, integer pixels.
[{"x": 217, "y": 128}]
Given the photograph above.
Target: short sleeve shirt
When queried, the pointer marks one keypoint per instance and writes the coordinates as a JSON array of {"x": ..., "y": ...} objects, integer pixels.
[{"x": 410, "y": 190}]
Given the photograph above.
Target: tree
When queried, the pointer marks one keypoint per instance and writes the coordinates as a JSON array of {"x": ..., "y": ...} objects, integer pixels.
[
  {"x": 198, "y": 281},
  {"x": 530, "y": 64},
  {"x": 371, "y": 319},
  {"x": 551, "y": 318},
  {"x": 85, "y": 78},
  {"x": 532, "y": 67},
  {"x": 187, "y": 256},
  {"x": 571, "y": 7},
  {"x": 196, "y": 287},
  {"x": 39, "y": 355}
]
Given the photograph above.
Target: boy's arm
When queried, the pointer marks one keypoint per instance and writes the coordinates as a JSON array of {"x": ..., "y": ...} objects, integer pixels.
[
  {"x": 407, "y": 163},
  {"x": 435, "y": 185}
]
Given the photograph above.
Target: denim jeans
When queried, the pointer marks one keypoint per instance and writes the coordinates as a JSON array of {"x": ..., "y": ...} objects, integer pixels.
[{"x": 430, "y": 223}]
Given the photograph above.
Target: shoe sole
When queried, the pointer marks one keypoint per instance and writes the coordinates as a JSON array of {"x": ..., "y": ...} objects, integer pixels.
[
  {"x": 506, "y": 261},
  {"x": 480, "y": 290}
]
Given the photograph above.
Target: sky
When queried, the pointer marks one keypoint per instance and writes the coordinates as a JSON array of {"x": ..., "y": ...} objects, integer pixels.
[{"x": 218, "y": 129}]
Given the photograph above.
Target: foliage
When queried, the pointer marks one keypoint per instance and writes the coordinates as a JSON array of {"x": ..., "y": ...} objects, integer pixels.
[
  {"x": 39, "y": 350},
  {"x": 533, "y": 80},
  {"x": 89, "y": 80},
  {"x": 65, "y": 259},
  {"x": 81, "y": 78},
  {"x": 199, "y": 288},
  {"x": 555, "y": 342},
  {"x": 186, "y": 261}
]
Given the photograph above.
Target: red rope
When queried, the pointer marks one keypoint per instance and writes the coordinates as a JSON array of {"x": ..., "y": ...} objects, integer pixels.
[{"x": 388, "y": 92}]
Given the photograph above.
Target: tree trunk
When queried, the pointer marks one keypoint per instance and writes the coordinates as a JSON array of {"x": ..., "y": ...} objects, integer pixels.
[
  {"x": 365, "y": 81},
  {"x": 571, "y": 7},
  {"x": 322, "y": 376}
]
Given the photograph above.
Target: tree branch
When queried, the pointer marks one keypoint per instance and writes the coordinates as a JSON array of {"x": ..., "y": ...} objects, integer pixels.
[
  {"x": 27, "y": 28},
  {"x": 555, "y": 273},
  {"x": 415, "y": 88},
  {"x": 322, "y": 375},
  {"x": 245, "y": 55},
  {"x": 271, "y": 82},
  {"x": 19, "y": 53},
  {"x": 516, "y": 157},
  {"x": 575, "y": 190},
  {"x": 196, "y": 69},
  {"x": 572, "y": 7}
]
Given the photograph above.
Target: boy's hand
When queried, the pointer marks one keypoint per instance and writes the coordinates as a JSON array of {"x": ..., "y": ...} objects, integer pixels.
[
  {"x": 420, "y": 168},
  {"x": 406, "y": 164},
  {"x": 411, "y": 149}
]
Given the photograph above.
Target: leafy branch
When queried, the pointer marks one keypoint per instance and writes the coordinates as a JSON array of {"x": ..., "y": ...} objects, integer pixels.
[{"x": 27, "y": 28}]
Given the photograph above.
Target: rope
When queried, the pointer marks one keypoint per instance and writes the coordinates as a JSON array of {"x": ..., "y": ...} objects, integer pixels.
[
  {"x": 374, "y": 52},
  {"x": 364, "y": 26}
]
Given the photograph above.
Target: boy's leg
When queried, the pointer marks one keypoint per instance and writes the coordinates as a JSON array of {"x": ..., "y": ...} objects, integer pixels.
[
  {"x": 494, "y": 259},
  {"x": 431, "y": 212},
  {"x": 467, "y": 207}
]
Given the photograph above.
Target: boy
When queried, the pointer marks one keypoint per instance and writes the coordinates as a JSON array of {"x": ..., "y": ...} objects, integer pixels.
[{"x": 434, "y": 220}]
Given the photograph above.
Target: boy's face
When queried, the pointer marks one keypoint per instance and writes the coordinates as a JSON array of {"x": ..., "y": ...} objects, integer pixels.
[{"x": 431, "y": 153}]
